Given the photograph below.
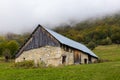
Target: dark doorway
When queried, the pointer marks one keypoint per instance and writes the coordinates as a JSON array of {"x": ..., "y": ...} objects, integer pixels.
[
  {"x": 63, "y": 59},
  {"x": 85, "y": 61},
  {"x": 89, "y": 59}
]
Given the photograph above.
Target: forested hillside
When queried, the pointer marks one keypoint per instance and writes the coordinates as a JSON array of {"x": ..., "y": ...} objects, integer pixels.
[
  {"x": 104, "y": 31},
  {"x": 10, "y": 43}
]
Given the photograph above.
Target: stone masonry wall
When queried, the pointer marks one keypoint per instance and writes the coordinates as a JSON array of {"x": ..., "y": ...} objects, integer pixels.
[
  {"x": 94, "y": 60},
  {"x": 83, "y": 56},
  {"x": 48, "y": 54}
]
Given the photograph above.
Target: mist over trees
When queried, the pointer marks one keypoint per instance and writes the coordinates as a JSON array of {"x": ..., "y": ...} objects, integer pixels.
[{"x": 104, "y": 31}]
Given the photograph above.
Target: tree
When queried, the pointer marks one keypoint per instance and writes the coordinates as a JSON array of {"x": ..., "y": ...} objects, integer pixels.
[
  {"x": 106, "y": 41},
  {"x": 13, "y": 47},
  {"x": 2, "y": 38},
  {"x": 6, "y": 54},
  {"x": 2, "y": 46},
  {"x": 91, "y": 45},
  {"x": 116, "y": 37},
  {"x": 10, "y": 36}
]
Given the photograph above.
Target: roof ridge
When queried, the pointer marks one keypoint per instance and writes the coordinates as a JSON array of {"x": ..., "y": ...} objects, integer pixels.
[
  {"x": 62, "y": 39},
  {"x": 70, "y": 42}
]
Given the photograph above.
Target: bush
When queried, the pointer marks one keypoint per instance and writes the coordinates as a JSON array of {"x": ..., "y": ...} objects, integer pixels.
[
  {"x": 7, "y": 55},
  {"x": 103, "y": 60},
  {"x": 24, "y": 64},
  {"x": 41, "y": 64},
  {"x": 13, "y": 47},
  {"x": 91, "y": 45},
  {"x": 29, "y": 64},
  {"x": 106, "y": 41}
]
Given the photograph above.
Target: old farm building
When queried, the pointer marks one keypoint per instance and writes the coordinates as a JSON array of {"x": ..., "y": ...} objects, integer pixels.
[{"x": 54, "y": 49}]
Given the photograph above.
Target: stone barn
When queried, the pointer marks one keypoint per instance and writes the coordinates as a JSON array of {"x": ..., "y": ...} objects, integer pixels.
[{"x": 45, "y": 45}]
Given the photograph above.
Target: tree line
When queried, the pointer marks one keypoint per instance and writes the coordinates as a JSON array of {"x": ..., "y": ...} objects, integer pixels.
[
  {"x": 104, "y": 31},
  {"x": 10, "y": 43}
]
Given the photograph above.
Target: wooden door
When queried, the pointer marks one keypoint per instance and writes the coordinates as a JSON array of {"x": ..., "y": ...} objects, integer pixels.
[{"x": 76, "y": 56}]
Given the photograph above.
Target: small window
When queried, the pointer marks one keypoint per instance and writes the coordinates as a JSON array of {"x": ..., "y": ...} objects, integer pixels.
[
  {"x": 24, "y": 59},
  {"x": 63, "y": 59},
  {"x": 64, "y": 48},
  {"x": 67, "y": 49},
  {"x": 85, "y": 61}
]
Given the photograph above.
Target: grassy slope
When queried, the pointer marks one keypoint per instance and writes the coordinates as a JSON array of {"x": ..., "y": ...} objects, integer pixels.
[
  {"x": 109, "y": 52},
  {"x": 100, "y": 71}
]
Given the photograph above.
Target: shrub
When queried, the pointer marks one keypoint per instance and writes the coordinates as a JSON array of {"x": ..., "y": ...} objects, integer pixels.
[
  {"x": 29, "y": 64},
  {"x": 7, "y": 55},
  {"x": 106, "y": 41},
  {"x": 91, "y": 45},
  {"x": 24, "y": 64},
  {"x": 103, "y": 60},
  {"x": 41, "y": 64}
]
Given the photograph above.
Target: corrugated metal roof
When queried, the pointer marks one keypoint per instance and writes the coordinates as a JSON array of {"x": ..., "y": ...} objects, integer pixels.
[{"x": 71, "y": 43}]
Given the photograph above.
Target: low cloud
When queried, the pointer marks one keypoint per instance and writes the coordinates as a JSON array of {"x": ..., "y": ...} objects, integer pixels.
[{"x": 22, "y": 15}]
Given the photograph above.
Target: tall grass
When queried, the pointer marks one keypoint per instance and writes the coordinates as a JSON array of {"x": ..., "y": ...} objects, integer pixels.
[
  {"x": 98, "y": 71},
  {"x": 109, "y": 52}
]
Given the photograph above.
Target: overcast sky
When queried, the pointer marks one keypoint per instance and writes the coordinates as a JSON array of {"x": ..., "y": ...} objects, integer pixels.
[{"x": 22, "y": 15}]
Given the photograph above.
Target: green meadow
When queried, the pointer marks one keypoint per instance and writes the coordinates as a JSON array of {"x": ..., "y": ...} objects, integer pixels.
[
  {"x": 109, "y": 52},
  {"x": 100, "y": 71}
]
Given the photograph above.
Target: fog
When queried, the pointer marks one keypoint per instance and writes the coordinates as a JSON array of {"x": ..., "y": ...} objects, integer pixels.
[{"x": 19, "y": 16}]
